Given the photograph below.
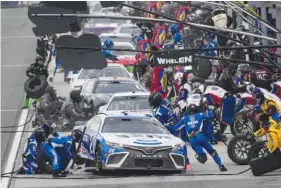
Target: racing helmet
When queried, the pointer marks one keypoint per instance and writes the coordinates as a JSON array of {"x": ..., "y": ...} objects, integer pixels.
[
  {"x": 178, "y": 78},
  {"x": 154, "y": 99},
  {"x": 75, "y": 96},
  {"x": 232, "y": 68},
  {"x": 138, "y": 38},
  {"x": 39, "y": 59},
  {"x": 76, "y": 135},
  {"x": 258, "y": 94},
  {"x": 108, "y": 43},
  {"x": 174, "y": 28},
  {"x": 192, "y": 109},
  {"x": 217, "y": 11},
  {"x": 51, "y": 91},
  {"x": 40, "y": 135},
  {"x": 50, "y": 126}
]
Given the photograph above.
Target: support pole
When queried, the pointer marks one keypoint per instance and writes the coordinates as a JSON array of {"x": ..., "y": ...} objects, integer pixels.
[
  {"x": 278, "y": 25},
  {"x": 264, "y": 17},
  {"x": 251, "y": 28}
]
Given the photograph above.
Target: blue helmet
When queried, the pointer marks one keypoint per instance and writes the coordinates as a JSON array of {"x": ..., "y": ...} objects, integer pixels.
[
  {"x": 258, "y": 94},
  {"x": 138, "y": 38},
  {"x": 108, "y": 43},
  {"x": 174, "y": 28}
]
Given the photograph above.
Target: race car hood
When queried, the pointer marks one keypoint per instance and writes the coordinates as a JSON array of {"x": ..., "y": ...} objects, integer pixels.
[
  {"x": 146, "y": 111},
  {"x": 98, "y": 29},
  {"x": 138, "y": 139}
]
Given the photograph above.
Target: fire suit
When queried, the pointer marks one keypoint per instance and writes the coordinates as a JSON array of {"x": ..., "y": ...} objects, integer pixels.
[
  {"x": 176, "y": 40},
  {"x": 194, "y": 125},
  {"x": 59, "y": 150},
  {"x": 37, "y": 69},
  {"x": 268, "y": 106},
  {"x": 164, "y": 114},
  {"x": 29, "y": 156},
  {"x": 276, "y": 89},
  {"x": 70, "y": 112},
  {"x": 107, "y": 53},
  {"x": 274, "y": 132}
]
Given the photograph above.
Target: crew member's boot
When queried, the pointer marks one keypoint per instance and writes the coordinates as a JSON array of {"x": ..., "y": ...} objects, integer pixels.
[{"x": 26, "y": 103}]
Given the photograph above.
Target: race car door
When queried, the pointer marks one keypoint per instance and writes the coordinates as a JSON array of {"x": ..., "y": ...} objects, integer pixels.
[{"x": 93, "y": 132}]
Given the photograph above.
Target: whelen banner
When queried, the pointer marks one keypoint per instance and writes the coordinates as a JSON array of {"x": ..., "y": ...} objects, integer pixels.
[{"x": 166, "y": 60}]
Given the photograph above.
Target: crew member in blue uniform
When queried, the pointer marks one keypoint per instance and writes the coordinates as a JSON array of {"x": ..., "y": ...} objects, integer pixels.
[
  {"x": 176, "y": 37},
  {"x": 163, "y": 110},
  {"x": 67, "y": 146},
  {"x": 108, "y": 43},
  {"x": 30, "y": 154},
  {"x": 193, "y": 125}
]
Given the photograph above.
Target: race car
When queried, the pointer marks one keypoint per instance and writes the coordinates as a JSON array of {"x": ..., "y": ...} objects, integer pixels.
[
  {"x": 131, "y": 142},
  {"x": 133, "y": 102},
  {"x": 103, "y": 88},
  {"x": 77, "y": 80},
  {"x": 128, "y": 28},
  {"x": 105, "y": 25}
]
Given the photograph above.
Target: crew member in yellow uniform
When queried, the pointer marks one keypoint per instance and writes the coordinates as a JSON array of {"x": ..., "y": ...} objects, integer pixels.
[
  {"x": 273, "y": 129},
  {"x": 266, "y": 105}
]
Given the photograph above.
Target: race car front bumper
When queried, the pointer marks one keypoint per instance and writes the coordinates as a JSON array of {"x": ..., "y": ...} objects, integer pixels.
[{"x": 135, "y": 159}]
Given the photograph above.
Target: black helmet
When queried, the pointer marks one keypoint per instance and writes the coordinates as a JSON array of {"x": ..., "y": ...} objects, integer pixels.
[
  {"x": 232, "y": 68},
  {"x": 197, "y": 91},
  {"x": 75, "y": 96},
  {"x": 40, "y": 135},
  {"x": 51, "y": 91},
  {"x": 192, "y": 109},
  {"x": 77, "y": 135},
  {"x": 154, "y": 99},
  {"x": 38, "y": 58},
  {"x": 50, "y": 126}
]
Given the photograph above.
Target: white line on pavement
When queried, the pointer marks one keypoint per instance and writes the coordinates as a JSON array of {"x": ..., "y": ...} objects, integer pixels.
[
  {"x": 10, "y": 110},
  {"x": 14, "y": 149},
  {"x": 18, "y": 37},
  {"x": 10, "y": 66}
]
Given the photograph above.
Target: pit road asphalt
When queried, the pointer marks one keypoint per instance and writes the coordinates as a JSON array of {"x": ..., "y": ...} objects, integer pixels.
[{"x": 17, "y": 53}]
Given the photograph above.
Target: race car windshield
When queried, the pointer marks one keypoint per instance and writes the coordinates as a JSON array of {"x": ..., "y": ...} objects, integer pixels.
[
  {"x": 129, "y": 103},
  {"x": 115, "y": 87},
  {"x": 119, "y": 53},
  {"x": 132, "y": 125},
  {"x": 106, "y": 72},
  {"x": 117, "y": 39},
  {"x": 132, "y": 30}
]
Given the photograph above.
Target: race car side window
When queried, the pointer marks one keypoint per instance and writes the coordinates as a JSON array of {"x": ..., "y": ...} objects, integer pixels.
[{"x": 95, "y": 124}]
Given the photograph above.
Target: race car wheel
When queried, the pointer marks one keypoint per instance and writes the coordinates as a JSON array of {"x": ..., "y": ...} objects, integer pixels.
[
  {"x": 203, "y": 68},
  {"x": 218, "y": 129},
  {"x": 242, "y": 124},
  {"x": 238, "y": 148},
  {"x": 98, "y": 159},
  {"x": 258, "y": 150},
  {"x": 35, "y": 87},
  {"x": 53, "y": 112}
]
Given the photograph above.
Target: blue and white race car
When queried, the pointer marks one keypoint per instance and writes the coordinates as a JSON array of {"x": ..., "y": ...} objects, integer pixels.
[{"x": 131, "y": 142}]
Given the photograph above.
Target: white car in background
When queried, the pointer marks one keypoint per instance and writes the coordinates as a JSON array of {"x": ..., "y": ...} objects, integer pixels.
[
  {"x": 112, "y": 70},
  {"x": 117, "y": 37},
  {"x": 133, "y": 102},
  {"x": 124, "y": 54},
  {"x": 128, "y": 28}
]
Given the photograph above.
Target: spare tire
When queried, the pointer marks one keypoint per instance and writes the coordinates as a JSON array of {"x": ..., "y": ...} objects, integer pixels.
[
  {"x": 204, "y": 68},
  {"x": 35, "y": 87}
]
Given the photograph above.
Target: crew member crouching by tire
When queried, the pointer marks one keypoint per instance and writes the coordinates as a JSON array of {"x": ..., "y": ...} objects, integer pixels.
[
  {"x": 36, "y": 69},
  {"x": 30, "y": 154}
]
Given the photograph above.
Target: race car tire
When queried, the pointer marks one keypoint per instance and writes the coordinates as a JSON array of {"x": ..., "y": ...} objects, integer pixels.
[
  {"x": 35, "y": 87},
  {"x": 231, "y": 149},
  {"x": 235, "y": 127},
  {"x": 45, "y": 164},
  {"x": 203, "y": 68},
  {"x": 256, "y": 148},
  {"x": 269, "y": 163},
  {"x": 98, "y": 160},
  {"x": 54, "y": 108}
]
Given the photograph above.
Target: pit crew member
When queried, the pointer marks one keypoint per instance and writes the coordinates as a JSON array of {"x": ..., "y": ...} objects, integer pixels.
[
  {"x": 70, "y": 108},
  {"x": 49, "y": 128},
  {"x": 265, "y": 105},
  {"x": 177, "y": 39},
  {"x": 30, "y": 154},
  {"x": 184, "y": 89},
  {"x": 67, "y": 143},
  {"x": 193, "y": 125},
  {"x": 108, "y": 43},
  {"x": 163, "y": 110},
  {"x": 273, "y": 129}
]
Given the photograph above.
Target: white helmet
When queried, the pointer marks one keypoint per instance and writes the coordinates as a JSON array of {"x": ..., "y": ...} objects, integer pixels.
[{"x": 178, "y": 77}]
